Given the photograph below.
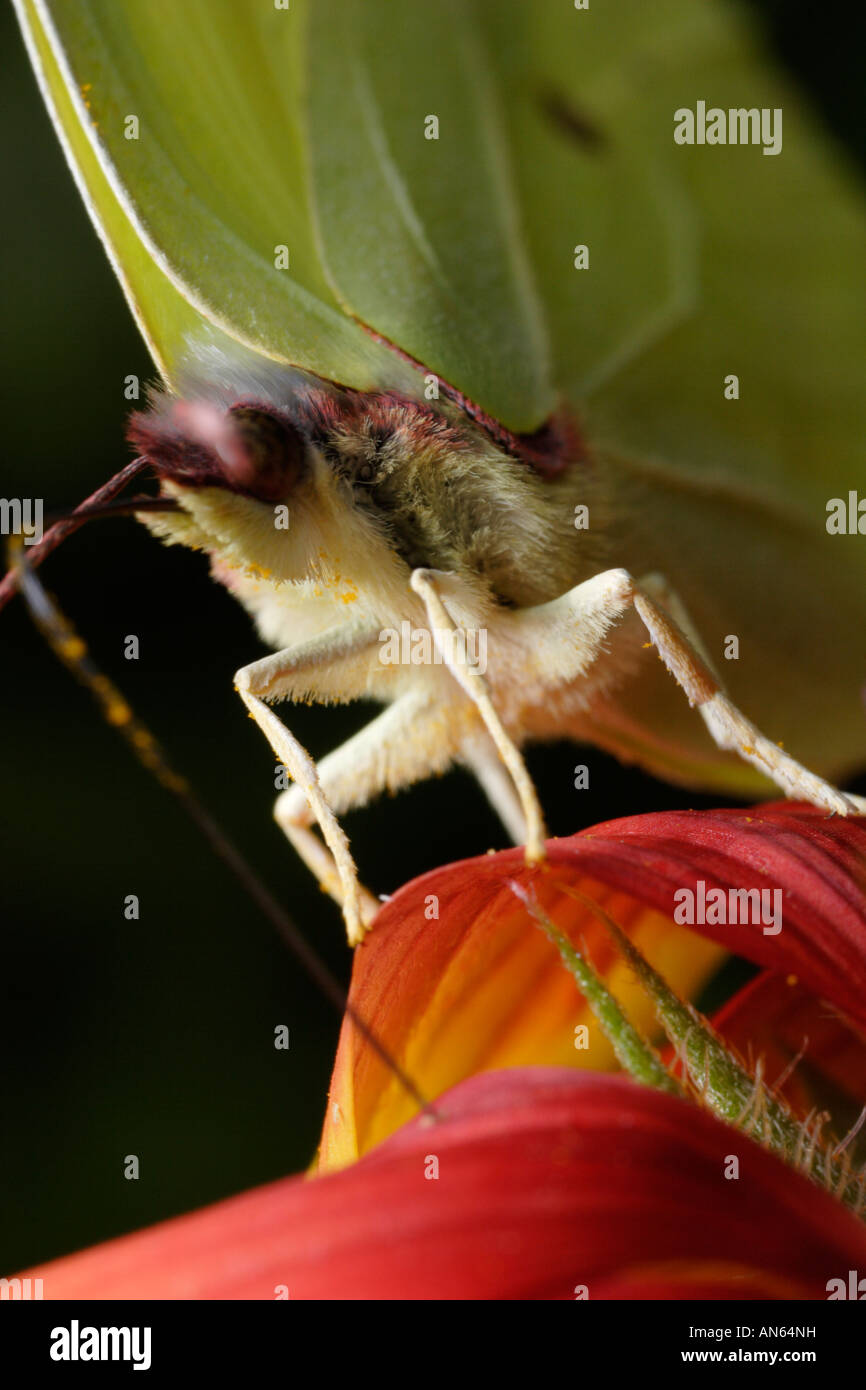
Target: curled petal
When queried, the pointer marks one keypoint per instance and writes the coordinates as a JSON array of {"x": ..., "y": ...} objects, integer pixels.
[
  {"x": 810, "y": 1051},
  {"x": 534, "y": 1183},
  {"x": 457, "y": 978}
]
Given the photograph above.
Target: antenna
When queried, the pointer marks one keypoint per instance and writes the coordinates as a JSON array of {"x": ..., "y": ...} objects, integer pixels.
[
  {"x": 65, "y": 526},
  {"x": 64, "y": 641}
]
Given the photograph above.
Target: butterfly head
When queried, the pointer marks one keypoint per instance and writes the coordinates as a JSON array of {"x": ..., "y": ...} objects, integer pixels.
[
  {"x": 292, "y": 477},
  {"x": 249, "y": 448}
]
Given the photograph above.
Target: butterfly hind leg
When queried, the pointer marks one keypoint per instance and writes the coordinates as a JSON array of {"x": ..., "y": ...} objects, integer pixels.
[
  {"x": 673, "y": 637},
  {"x": 591, "y": 609},
  {"x": 562, "y": 639}
]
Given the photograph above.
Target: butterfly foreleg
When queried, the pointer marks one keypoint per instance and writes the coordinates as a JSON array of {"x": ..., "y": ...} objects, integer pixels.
[
  {"x": 413, "y": 738},
  {"x": 309, "y": 670}
]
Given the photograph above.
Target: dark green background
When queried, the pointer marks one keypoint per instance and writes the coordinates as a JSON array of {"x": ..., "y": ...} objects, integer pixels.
[{"x": 156, "y": 1037}]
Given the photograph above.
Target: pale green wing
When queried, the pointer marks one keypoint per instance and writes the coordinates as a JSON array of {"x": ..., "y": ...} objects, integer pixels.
[
  {"x": 183, "y": 123},
  {"x": 273, "y": 164},
  {"x": 419, "y": 224},
  {"x": 704, "y": 262},
  {"x": 164, "y": 317}
]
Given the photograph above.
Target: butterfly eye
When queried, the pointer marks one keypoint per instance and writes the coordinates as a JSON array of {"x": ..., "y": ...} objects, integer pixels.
[{"x": 263, "y": 455}]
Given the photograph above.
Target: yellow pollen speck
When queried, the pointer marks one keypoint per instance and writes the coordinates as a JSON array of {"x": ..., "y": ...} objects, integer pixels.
[{"x": 791, "y": 980}]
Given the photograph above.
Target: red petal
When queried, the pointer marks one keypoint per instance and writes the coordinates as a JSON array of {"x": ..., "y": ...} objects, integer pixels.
[
  {"x": 481, "y": 987},
  {"x": 548, "y": 1180},
  {"x": 776, "y": 1019},
  {"x": 819, "y": 862}
]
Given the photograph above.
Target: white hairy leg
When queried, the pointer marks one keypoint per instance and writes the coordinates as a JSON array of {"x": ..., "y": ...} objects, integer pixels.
[
  {"x": 428, "y": 585},
  {"x": 413, "y": 738},
  {"x": 417, "y": 735},
  {"x": 598, "y": 603},
  {"x": 554, "y": 646},
  {"x": 311, "y": 668},
  {"x": 482, "y": 759}
]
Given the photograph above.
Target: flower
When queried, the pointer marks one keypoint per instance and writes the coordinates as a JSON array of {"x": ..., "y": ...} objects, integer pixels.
[
  {"x": 481, "y": 987},
  {"x": 535, "y": 1183},
  {"x": 540, "y": 1181}
]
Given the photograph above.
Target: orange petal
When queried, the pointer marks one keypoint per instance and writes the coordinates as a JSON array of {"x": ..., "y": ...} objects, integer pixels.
[
  {"x": 482, "y": 988},
  {"x": 456, "y": 979}
]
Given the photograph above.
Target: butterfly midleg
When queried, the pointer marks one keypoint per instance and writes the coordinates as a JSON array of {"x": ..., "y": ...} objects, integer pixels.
[
  {"x": 426, "y": 583},
  {"x": 482, "y": 759}
]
